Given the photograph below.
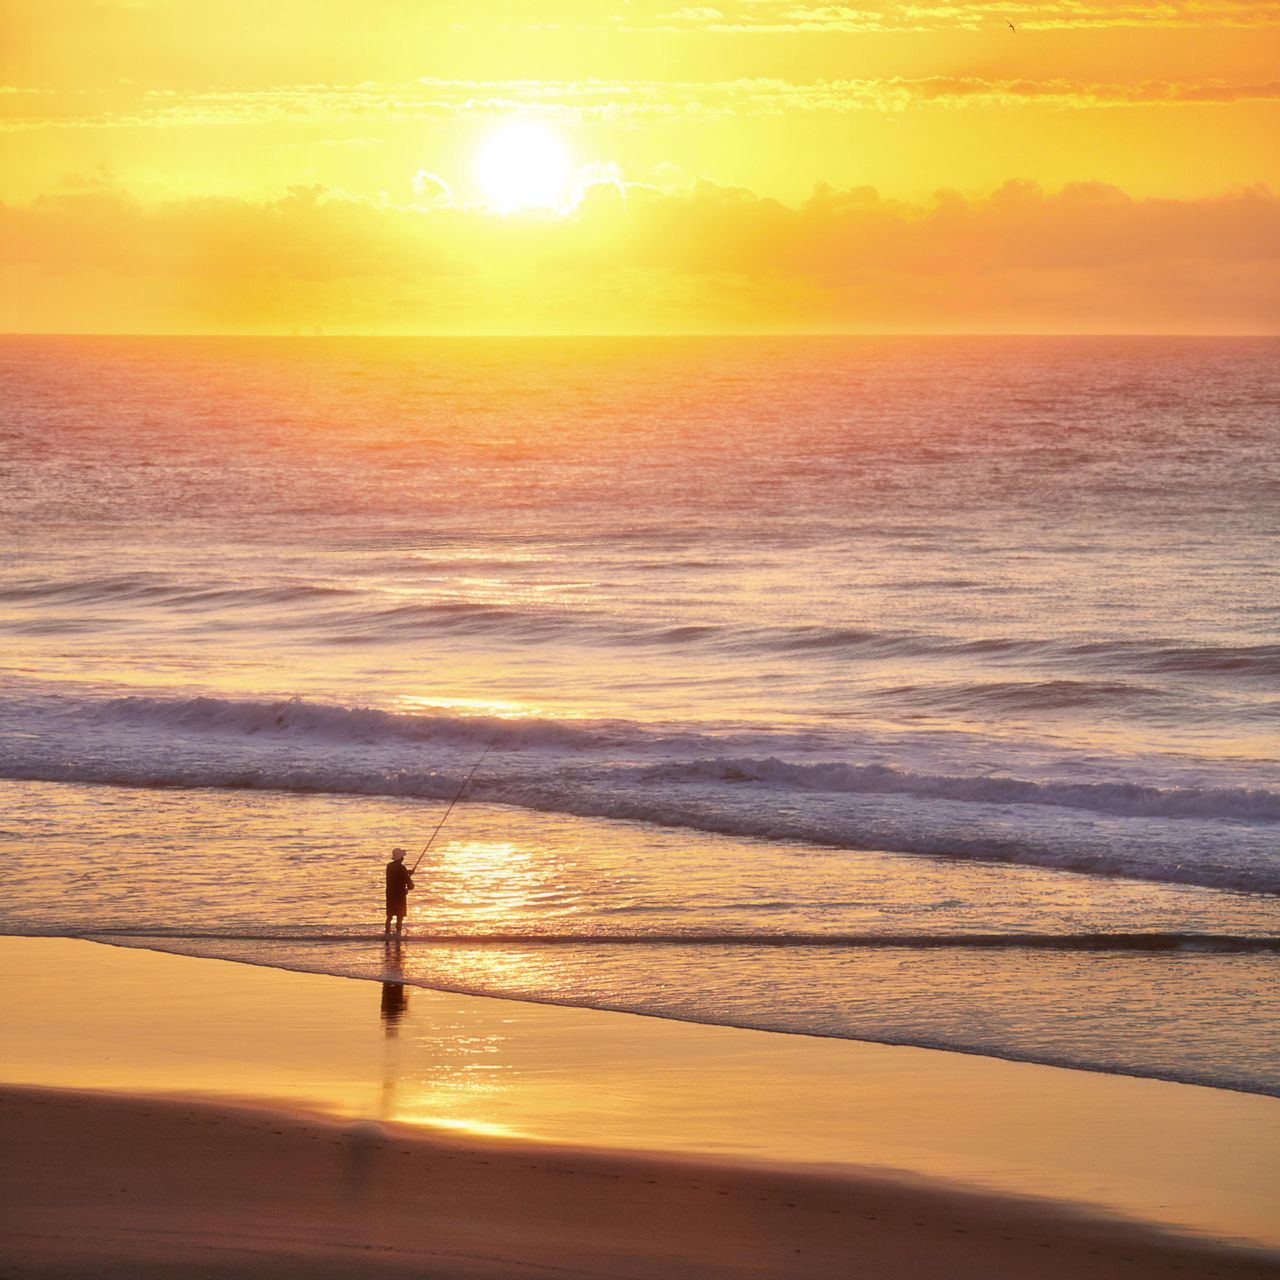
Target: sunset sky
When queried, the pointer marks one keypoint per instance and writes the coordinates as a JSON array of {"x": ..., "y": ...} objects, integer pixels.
[{"x": 422, "y": 166}]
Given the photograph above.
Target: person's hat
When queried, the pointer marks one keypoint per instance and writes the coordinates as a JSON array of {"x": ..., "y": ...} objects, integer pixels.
[{"x": 397, "y": 853}]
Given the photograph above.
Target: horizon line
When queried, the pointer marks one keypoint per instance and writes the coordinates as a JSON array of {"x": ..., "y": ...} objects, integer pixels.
[{"x": 632, "y": 335}]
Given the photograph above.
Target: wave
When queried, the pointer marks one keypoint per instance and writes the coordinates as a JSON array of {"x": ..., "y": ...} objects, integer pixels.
[
  {"x": 986, "y": 834},
  {"x": 158, "y": 589},
  {"x": 1155, "y": 657},
  {"x": 1026, "y": 697},
  {"x": 1123, "y": 799},
  {"x": 1221, "y": 836},
  {"x": 365, "y": 725},
  {"x": 1092, "y": 942},
  {"x": 1184, "y": 659},
  {"x": 352, "y": 609},
  {"x": 339, "y": 724}
]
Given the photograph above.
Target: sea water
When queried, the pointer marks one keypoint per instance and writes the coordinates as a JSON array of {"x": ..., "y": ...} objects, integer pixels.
[{"x": 918, "y": 690}]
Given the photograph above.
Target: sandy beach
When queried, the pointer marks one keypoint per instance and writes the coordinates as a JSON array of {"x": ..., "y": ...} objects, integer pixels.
[
  {"x": 111, "y": 1186},
  {"x": 228, "y": 1120}
]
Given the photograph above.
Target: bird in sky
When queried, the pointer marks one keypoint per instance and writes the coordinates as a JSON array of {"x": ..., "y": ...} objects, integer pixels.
[{"x": 1011, "y": 27}]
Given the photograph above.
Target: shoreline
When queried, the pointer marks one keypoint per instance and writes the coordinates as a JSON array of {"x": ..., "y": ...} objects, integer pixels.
[
  {"x": 426, "y": 941},
  {"x": 105, "y": 1042},
  {"x": 145, "y": 942}
]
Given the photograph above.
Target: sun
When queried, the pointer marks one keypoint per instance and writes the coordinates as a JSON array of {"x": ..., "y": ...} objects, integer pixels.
[{"x": 523, "y": 165}]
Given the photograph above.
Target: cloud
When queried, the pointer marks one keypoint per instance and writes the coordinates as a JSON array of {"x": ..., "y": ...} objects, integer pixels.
[
  {"x": 431, "y": 189},
  {"x": 593, "y": 101},
  {"x": 1078, "y": 93},
  {"x": 1087, "y": 258},
  {"x": 782, "y": 16}
]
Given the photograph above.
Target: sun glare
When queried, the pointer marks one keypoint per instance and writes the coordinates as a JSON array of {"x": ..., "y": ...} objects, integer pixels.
[{"x": 523, "y": 165}]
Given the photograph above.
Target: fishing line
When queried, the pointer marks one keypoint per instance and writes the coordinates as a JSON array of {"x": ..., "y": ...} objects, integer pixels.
[{"x": 449, "y": 810}]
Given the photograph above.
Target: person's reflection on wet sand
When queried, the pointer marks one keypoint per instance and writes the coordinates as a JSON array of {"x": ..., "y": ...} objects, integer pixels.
[{"x": 395, "y": 995}]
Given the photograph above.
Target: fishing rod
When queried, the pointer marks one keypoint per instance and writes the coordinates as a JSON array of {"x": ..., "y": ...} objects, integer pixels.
[{"x": 449, "y": 810}]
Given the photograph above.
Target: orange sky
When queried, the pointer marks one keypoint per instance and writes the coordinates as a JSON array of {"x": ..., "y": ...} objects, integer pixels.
[{"x": 174, "y": 166}]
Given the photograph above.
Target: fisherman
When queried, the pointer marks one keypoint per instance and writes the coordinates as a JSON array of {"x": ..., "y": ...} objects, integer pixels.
[{"x": 399, "y": 882}]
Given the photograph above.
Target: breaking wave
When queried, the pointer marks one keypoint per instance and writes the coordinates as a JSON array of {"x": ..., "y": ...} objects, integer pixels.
[
  {"x": 742, "y": 782},
  {"x": 345, "y": 725},
  {"x": 1123, "y": 799},
  {"x": 375, "y": 728}
]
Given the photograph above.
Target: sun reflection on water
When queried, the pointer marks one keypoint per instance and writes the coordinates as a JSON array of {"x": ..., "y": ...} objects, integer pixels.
[
  {"x": 476, "y": 1128},
  {"x": 492, "y": 882},
  {"x": 497, "y": 708}
]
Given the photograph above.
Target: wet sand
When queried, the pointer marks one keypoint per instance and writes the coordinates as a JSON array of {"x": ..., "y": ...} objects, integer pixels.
[
  {"x": 108, "y": 1186},
  {"x": 338, "y": 1123}
]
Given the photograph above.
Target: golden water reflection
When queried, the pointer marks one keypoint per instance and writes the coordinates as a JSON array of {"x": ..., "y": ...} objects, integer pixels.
[
  {"x": 495, "y": 708},
  {"x": 494, "y": 882}
]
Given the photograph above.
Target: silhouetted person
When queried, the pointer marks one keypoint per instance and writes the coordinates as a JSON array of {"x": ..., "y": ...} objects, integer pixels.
[{"x": 399, "y": 882}]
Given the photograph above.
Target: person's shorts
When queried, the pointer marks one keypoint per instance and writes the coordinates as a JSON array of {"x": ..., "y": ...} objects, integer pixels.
[{"x": 397, "y": 906}]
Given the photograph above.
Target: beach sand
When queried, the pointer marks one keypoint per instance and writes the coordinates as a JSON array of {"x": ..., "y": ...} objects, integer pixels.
[
  {"x": 211, "y": 1119},
  {"x": 107, "y": 1186}
]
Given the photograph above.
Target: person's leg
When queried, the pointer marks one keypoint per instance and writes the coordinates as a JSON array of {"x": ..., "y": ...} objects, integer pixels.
[
  {"x": 399, "y": 924},
  {"x": 386, "y": 926}
]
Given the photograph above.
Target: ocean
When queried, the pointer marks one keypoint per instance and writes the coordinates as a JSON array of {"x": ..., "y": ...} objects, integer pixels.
[{"x": 923, "y": 691}]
